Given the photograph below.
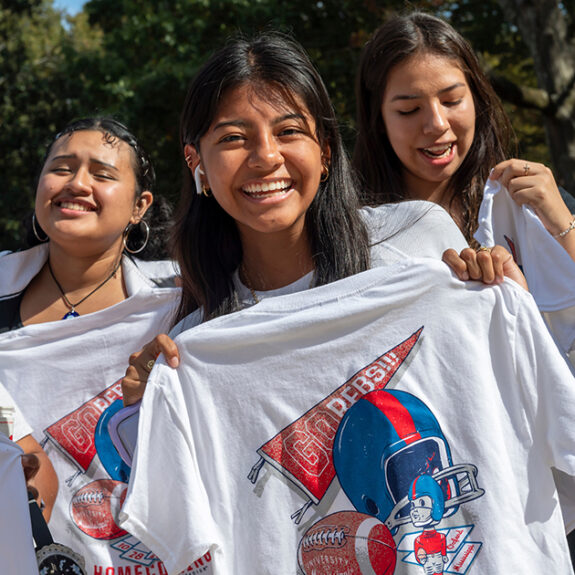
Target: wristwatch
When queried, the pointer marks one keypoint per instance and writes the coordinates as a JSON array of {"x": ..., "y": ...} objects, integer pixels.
[{"x": 53, "y": 558}]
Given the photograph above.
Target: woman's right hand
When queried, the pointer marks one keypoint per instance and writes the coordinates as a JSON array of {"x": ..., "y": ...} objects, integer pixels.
[
  {"x": 489, "y": 265},
  {"x": 533, "y": 184},
  {"x": 142, "y": 362}
]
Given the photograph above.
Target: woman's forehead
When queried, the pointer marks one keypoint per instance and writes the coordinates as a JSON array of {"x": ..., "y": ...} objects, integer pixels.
[
  {"x": 98, "y": 142},
  {"x": 257, "y": 92}
]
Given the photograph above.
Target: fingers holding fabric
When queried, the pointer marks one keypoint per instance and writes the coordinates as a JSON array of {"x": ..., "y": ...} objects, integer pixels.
[
  {"x": 533, "y": 184},
  {"x": 471, "y": 264},
  {"x": 141, "y": 364},
  {"x": 488, "y": 265}
]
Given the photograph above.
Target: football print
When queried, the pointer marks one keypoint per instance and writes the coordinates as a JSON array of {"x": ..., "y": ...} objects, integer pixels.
[
  {"x": 347, "y": 542},
  {"x": 95, "y": 507}
]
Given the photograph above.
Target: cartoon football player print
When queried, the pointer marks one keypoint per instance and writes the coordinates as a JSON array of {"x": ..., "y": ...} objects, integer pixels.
[
  {"x": 427, "y": 505},
  {"x": 394, "y": 463}
]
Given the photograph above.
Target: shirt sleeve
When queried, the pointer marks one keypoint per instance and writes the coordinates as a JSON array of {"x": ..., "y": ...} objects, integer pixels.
[
  {"x": 548, "y": 386},
  {"x": 16, "y": 426},
  {"x": 416, "y": 228},
  {"x": 548, "y": 381},
  {"x": 16, "y": 542},
  {"x": 562, "y": 325},
  {"x": 178, "y": 530},
  {"x": 21, "y": 427}
]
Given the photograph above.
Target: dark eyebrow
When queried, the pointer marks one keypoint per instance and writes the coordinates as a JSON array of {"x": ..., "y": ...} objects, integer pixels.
[
  {"x": 416, "y": 96},
  {"x": 292, "y": 116},
  {"x": 242, "y": 124},
  {"x": 94, "y": 160}
]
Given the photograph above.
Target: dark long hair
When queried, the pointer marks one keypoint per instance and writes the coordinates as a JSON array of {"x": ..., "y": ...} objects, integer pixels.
[
  {"x": 159, "y": 214},
  {"x": 399, "y": 38},
  {"x": 207, "y": 244}
]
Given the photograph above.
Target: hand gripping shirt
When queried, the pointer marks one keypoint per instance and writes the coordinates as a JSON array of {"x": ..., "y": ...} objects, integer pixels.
[
  {"x": 548, "y": 268},
  {"x": 325, "y": 431},
  {"x": 64, "y": 376}
]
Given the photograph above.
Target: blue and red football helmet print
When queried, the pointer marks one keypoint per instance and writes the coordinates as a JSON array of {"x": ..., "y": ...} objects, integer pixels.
[{"x": 386, "y": 440}]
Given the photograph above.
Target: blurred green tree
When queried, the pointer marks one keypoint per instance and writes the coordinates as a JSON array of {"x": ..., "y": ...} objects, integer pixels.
[
  {"x": 548, "y": 29},
  {"x": 134, "y": 59},
  {"x": 35, "y": 101}
]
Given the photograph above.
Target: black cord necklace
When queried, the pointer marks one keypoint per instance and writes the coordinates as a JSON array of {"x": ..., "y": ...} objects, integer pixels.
[{"x": 72, "y": 306}]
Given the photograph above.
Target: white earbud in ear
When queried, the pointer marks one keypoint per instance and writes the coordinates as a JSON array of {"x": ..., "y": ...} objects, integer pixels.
[{"x": 198, "y": 180}]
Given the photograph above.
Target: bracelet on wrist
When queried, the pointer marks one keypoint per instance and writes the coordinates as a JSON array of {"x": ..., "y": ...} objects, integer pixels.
[{"x": 565, "y": 232}]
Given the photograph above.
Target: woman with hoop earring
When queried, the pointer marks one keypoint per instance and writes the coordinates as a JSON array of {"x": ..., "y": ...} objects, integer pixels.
[{"x": 93, "y": 288}]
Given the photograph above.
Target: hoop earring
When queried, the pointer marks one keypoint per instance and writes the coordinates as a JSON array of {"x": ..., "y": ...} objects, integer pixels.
[
  {"x": 35, "y": 230},
  {"x": 324, "y": 173},
  {"x": 127, "y": 231}
]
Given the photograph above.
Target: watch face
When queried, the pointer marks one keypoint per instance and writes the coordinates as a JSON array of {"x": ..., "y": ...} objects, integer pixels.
[{"x": 56, "y": 559}]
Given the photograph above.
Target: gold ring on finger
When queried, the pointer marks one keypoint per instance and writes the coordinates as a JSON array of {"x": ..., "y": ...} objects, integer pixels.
[
  {"x": 526, "y": 169},
  {"x": 150, "y": 364},
  {"x": 483, "y": 249}
]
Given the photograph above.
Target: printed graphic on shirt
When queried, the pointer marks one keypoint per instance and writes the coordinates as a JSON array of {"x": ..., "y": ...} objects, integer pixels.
[
  {"x": 82, "y": 436},
  {"x": 451, "y": 545},
  {"x": 394, "y": 464},
  {"x": 303, "y": 450}
]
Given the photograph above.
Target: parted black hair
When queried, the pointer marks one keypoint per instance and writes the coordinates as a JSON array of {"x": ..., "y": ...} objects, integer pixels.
[{"x": 207, "y": 245}]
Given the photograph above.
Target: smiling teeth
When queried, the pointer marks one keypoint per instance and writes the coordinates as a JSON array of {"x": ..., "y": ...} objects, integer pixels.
[
  {"x": 438, "y": 151},
  {"x": 74, "y": 206},
  {"x": 276, "y": 188}
]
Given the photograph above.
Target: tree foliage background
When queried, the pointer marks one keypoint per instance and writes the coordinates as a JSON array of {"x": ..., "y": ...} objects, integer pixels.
[{"x": 134, "y": 59}]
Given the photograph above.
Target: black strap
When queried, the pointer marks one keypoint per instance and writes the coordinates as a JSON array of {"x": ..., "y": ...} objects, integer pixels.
[{"x": 40, "y": 530}]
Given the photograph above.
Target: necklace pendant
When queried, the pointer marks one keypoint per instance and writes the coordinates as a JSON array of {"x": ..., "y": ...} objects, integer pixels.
[{"x": 71, "y": 313}]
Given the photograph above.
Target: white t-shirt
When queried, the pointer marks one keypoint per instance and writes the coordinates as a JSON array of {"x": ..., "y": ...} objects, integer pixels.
[
  {"x": 397, "y": 231},
  {"x": 292, "y": 433},
  {"x": 12, "y": 422},
  {"x": 64, "y": 376},
  {"x": 548, "y": 268},
  {"x": 550, "y": 274},
  {"x": 17, "y": 555}
]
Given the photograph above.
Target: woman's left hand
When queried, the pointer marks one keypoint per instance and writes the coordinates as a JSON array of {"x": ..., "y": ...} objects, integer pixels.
[
  {"x": 489, "y": 265},
  {"x": 141, "y": 363},
  {"x": 533, "y": 184}
]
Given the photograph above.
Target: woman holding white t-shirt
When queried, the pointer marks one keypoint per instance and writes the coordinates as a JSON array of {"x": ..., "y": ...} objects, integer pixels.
[
  {"x": 92, "y": 289},
  {"x": 273, "y": 211},
  {"x": 270, "y": 204},
  {"x": 430, "y": 126}
]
